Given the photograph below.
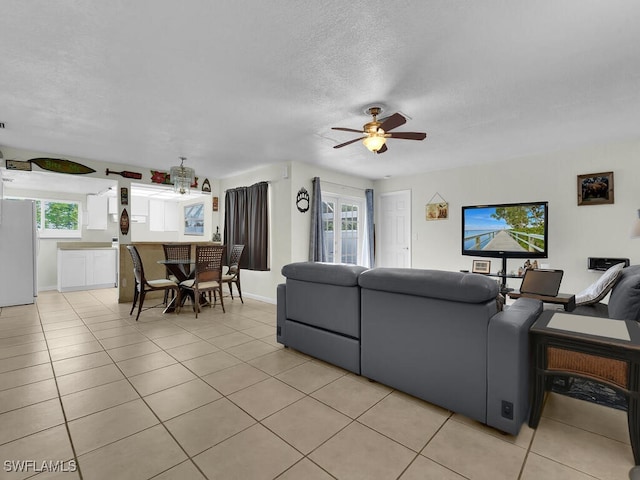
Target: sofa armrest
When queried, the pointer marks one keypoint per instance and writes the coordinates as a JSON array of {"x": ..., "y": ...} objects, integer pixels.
[{"x": 508, "y": 364}]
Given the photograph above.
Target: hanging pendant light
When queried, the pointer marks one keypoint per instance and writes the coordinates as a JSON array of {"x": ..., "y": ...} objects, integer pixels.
[{"x": 182, "y": 178}]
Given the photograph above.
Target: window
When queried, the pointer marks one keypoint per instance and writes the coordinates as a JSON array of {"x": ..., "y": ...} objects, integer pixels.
[
  {"x": 343, "y": 226},
  {"x": 58, "y": 218}
]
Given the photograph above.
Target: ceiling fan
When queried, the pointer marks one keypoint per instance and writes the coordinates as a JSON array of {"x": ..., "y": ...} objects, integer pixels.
[{"x": 376, "y": 133}]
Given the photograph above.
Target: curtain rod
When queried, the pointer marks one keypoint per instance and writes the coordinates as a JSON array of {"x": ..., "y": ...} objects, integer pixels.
[
  {"x": 341, "y": 185},
  {"x": 268, "y": 182}
]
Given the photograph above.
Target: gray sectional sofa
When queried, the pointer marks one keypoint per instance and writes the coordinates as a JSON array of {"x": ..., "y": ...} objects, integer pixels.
[{"x": 436, "y": 335}]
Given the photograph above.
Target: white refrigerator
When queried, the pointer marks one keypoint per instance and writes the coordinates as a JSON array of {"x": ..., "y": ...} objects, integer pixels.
[{"x": 18, "y": 252}]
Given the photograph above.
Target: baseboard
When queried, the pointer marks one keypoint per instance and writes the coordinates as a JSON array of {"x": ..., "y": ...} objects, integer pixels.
[
  {"x": 260, "y": 298},
  {"x": 47, "y": 288}
]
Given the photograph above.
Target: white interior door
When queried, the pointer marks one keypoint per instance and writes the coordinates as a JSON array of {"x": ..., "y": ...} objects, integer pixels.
[{"x": 395, "y": 229}]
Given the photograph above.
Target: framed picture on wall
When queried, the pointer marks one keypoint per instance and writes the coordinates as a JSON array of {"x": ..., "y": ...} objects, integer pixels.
[
  {"x": 595, "y": 188},
  {"x": 437, "y": 211},
  {"x": 481, "y": 266},
  {"x": 124, "y": 196},
  {"x": 194, "y": 219}
]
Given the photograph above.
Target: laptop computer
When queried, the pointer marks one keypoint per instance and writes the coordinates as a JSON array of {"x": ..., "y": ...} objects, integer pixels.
[{"x": 542, "y": 282}]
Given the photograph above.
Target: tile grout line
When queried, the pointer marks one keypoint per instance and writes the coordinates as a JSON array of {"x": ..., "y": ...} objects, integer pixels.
[
  {"x": 274, "y": 376},
  {"x": 160, "y": 422},
  {"x": 147, "y": 405},
  {"x": 257, "y": 421},
  {"x": 64, "y": 413}
]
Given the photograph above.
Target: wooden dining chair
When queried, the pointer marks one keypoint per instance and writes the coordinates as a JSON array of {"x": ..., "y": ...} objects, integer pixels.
[
  {"x": 232, "y": 274},
  {"x": 176, "y": 251},
  {"x": 208, "y": 275},
  {"x": 143, "y": 286}
]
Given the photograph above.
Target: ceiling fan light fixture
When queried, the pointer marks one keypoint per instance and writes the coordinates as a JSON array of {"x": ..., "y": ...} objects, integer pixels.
[
  {"x": 182, "y": 178},
  {"x": 375, "y": 133},
  {"x": 374, "y": 142}
]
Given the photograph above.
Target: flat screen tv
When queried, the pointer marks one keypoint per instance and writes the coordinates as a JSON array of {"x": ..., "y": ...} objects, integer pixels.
[{"x": 508, "y": 230}]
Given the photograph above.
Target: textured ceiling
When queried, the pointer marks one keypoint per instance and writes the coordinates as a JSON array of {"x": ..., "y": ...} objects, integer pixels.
[{"x": 235, "y": 85}]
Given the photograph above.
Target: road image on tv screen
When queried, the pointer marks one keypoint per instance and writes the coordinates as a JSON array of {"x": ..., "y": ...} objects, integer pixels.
[{"x": 505, "y": 228}]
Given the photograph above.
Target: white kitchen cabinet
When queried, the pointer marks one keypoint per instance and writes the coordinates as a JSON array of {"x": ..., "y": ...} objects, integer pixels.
[
  {"x": 163, "y": 216},
  {"x": 113, "y": 206},
  {"x": 156, "y": 215},
  {"x": 170, "y": 217},
  {"x": 97, "y": 209},
  {"x": 140, "y": 206},
  {"x": 86, "y": 269}
]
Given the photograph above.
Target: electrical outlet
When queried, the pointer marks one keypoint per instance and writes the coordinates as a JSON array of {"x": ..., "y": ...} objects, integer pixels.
[{"x": 507, "y": 410}]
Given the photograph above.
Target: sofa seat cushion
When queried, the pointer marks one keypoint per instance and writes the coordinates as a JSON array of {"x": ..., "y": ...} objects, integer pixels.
[
  {"x": 328, "y": 273},
  {"x": 453, "y": 286},
  {"x": 592, "y": 310},
  {"x": 624, "y": 302}
]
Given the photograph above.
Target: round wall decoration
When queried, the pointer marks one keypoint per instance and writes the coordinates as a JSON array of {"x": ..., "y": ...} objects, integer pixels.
[{"x": 302, "y": 200}]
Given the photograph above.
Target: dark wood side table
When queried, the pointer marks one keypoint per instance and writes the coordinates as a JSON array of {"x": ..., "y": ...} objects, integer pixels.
[
  {"x": 567, "y": 300},
  {"x": 570, "y": 345}
]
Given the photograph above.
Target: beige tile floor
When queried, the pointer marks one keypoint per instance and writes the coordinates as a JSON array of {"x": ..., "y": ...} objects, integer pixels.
[{"x": 175, "y": 397}]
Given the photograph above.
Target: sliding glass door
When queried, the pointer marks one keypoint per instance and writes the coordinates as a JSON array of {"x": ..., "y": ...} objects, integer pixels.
[{"x": 342, "y": 222}]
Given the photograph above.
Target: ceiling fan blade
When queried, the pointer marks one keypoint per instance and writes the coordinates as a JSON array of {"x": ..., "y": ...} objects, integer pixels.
[
  {"x": 392, "y": 122},
  {"x": 383, "y": 149},
  {"x": 349, "y": 142},
  {"x": 408, "y": 135},
  {"x": 346, "y": 129}
]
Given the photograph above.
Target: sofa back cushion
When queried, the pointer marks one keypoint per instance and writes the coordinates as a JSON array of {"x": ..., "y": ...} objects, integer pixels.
[
  {"x": 329, "y": 307},
  {"x": 329, "y": 273},
  {"x": 325, "y": 296},
  {"x": 431, "y": 348},
  {"x": 453, "y": 286},
  {"x": 624, "y": 302}
]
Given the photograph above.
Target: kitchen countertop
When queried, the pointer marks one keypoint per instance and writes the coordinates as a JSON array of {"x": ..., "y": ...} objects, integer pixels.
[{"x": 83, "y": 245}]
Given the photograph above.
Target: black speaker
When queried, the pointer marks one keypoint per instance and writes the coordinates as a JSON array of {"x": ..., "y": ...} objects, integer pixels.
[{"x": 602, "y": 264}]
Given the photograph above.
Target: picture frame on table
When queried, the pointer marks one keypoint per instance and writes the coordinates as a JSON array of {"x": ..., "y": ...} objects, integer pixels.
[
  {"x": 595, "y": 188},
  {"x": 481, "y": 266}
]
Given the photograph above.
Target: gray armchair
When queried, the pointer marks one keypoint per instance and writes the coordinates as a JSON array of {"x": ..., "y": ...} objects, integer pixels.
[{"x": 624, "y": 302}]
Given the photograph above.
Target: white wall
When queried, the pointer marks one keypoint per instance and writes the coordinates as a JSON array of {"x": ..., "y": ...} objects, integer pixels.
[
  {"x": 575, "y": 232},
  {"x": 262, "y": 285},
  {"x": 302, "y": 174},
  {"x": 289, "y": 240}
]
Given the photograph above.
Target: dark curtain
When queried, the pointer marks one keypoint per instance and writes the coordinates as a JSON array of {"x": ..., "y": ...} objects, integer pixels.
[
  {"x": 369, "y": 243},
  {"x": 258, "y": 226},
  {"x": 246, "y": 223},
  {"x": 235, "y": 219},
  {"x": 317, "y": 249}
]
